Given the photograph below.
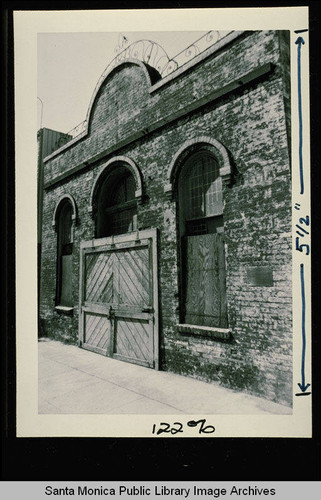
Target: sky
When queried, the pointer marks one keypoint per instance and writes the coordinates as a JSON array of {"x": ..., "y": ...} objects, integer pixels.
[{"x": 70, "y": 64}]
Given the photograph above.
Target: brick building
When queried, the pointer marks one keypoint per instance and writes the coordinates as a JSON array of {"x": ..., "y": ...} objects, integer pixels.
[{"x": 166, "y": 222}]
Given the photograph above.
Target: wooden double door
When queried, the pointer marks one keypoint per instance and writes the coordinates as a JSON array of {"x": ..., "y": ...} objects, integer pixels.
[{"x": 118, "y": 297}]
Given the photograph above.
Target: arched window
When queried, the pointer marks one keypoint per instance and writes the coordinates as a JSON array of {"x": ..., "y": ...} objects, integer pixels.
[
  {"x": 117, "y": 205},
  {"x": 201, "y": 195},
  {"x": 200, "y": 217},
  {"x": 64, "y": 260}
]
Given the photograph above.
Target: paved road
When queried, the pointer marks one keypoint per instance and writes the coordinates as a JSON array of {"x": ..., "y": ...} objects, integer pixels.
[{"x": 76, "y": 381}]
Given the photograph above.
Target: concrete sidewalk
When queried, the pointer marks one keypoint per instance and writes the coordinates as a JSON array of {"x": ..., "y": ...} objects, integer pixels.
[{"x": 73, "y": 380}]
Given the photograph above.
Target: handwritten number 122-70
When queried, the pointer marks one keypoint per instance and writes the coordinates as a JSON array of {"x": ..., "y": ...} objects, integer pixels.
[{"x": 177, "y": 427}]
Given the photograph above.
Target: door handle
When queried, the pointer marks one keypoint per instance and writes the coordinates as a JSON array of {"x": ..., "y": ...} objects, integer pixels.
[
  {"x": 147, "y": 310},
  {"x": 111, "y": 313}
]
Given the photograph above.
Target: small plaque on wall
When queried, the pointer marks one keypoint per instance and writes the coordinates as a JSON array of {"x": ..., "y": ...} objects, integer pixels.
[{"x": 260, "y": 276}]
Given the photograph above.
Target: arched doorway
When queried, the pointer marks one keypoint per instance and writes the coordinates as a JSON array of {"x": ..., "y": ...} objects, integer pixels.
[{"x": 118, "y": 273}]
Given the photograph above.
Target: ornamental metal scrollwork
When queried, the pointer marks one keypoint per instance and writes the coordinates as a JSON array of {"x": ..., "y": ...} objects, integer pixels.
[{"x": 154, "y": 55}]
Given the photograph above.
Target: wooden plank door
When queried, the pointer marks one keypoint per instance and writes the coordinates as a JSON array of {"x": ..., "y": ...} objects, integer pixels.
[
  {"x": 119, "y": 305},
  {"x": 133, "y": 309},
  {"x": 97, "y": 299},
  {"x": 205, "y": 292}
]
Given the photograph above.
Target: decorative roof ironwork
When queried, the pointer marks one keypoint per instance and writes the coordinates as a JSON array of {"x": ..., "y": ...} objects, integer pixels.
[{"x": 154, "y": 55}]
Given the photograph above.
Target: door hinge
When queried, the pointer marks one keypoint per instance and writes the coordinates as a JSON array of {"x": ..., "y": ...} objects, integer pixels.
[{"x": 147, "y": 310}]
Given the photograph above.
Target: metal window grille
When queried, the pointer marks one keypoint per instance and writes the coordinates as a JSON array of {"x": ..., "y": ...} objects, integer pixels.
[
  {"x": 195, "y": 228},
  {"x": 120, "y": 212},
  {"x": 124, "y": 191},
  {"x": 65, "y": 224},
  {"x": 123, "y": 222},
  {"x": 64, "y": 263},
  {"x": 203, "y": 187}
]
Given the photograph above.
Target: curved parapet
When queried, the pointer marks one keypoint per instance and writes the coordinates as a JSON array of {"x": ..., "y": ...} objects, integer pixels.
[{"x": 146, "y": 54}]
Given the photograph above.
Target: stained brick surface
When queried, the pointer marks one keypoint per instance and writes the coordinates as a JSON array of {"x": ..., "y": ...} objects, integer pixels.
[{"x": 253, "y": 125}]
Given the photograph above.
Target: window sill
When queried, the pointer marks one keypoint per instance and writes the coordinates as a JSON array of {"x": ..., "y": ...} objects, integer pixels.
[
  {"x": 67, "y": 310},
  {"x": 205, "y": 331}
]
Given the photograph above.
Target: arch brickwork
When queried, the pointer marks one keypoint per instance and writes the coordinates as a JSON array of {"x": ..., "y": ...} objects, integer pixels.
[
  {"x": 205, "y": 142},
  {"x": 111, "y": 164},
  {"x": 65, "y": 197}
]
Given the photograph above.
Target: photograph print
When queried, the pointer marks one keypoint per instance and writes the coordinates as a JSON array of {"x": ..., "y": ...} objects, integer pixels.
[{"x": 165, "y": 223}]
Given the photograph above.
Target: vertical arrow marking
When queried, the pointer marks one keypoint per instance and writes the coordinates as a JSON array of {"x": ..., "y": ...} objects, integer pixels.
[
  {"x": 303, "y": 386},
  {"x": 300, "y": 42}
]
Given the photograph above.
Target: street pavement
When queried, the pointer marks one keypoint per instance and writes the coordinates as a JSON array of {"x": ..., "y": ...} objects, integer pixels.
[{"x": 76, "y": 381}]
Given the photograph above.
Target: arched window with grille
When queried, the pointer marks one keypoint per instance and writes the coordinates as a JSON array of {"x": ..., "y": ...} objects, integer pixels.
[
  {"x": 64, "y": 260},
  {"x": 201, "y": 234},
  {"x": 116, "y": 204}
]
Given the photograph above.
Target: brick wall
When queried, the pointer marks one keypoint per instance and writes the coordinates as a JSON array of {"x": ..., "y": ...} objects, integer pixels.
[{"x": 252, "y": 124}]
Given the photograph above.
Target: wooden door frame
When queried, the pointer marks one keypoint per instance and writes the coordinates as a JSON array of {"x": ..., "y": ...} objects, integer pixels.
[{"x": 129, "y": 240}]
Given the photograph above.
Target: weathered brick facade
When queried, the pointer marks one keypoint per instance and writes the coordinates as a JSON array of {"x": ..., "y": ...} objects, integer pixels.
[{"x": 235, "y": 98}]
